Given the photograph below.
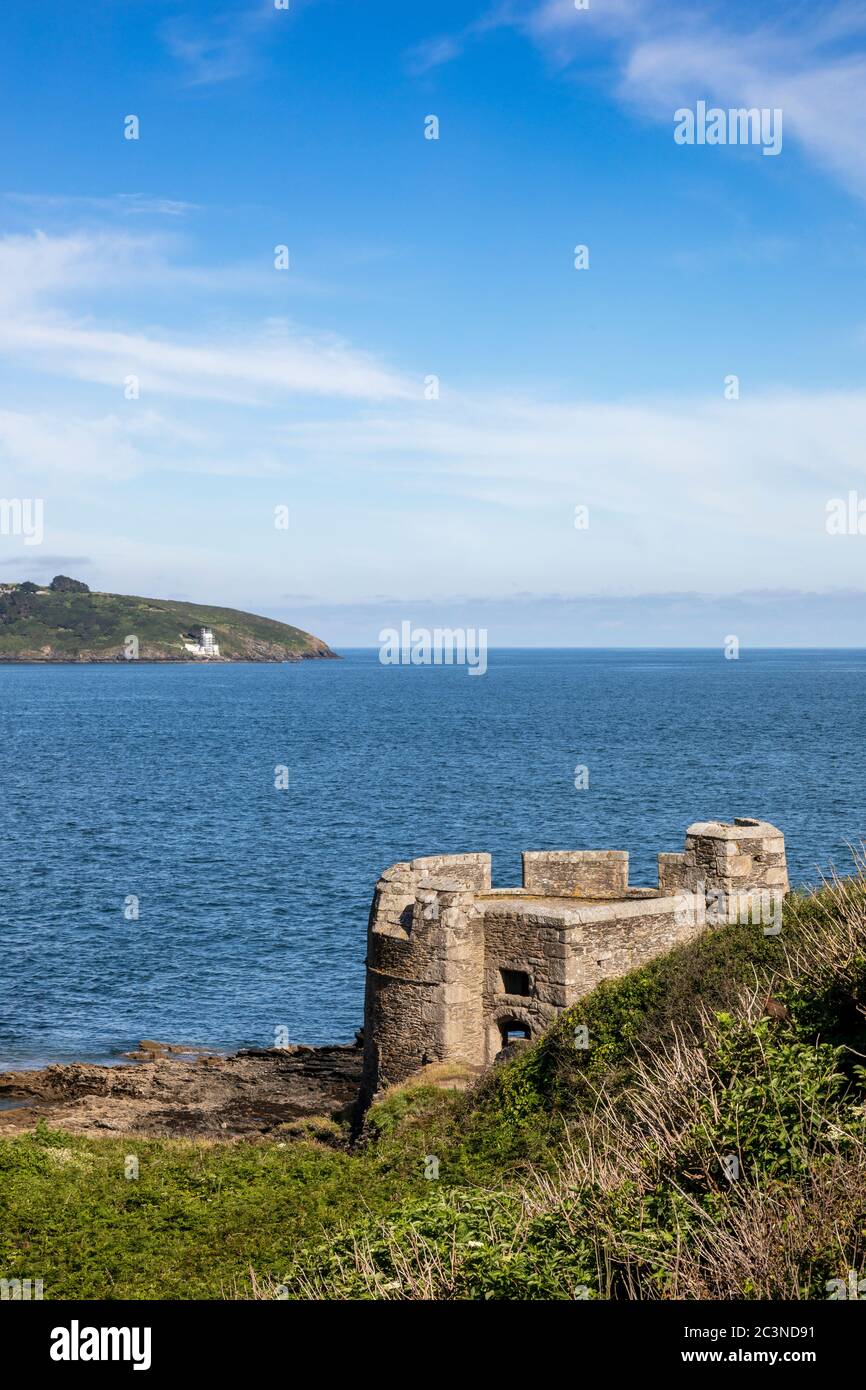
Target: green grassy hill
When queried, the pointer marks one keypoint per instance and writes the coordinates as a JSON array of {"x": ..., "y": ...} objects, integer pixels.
[
  {"x": 699, "y": 1148},
  {"x": 82, "y": 626}
]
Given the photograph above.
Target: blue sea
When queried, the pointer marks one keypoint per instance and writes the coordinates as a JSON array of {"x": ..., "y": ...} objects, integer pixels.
[{"x": 157, "y": 783}]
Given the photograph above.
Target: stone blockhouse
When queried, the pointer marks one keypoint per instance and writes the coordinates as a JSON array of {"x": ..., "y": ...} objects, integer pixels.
[{"x": 457, "y": 969}]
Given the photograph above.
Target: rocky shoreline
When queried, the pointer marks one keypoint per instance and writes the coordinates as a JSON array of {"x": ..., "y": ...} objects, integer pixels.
[
  {"x": 169, "y": 1091},
  {"x": 257, "y": 654}
]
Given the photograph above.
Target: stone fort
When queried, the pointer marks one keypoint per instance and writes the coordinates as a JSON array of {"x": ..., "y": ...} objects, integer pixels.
[{"x": 457, "y": 969}]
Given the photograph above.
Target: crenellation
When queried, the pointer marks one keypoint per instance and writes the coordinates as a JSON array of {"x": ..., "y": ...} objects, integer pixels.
[
  {"x": 457, "y": 969},
  {"x": 576, "y": 873}
]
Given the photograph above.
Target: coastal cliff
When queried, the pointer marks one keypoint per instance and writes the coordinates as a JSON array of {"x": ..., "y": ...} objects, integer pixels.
[{"x": 65, "y": 622}]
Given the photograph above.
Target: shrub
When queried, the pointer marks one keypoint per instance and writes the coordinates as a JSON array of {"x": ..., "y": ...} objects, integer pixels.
[{"x": 62, "y": 584}]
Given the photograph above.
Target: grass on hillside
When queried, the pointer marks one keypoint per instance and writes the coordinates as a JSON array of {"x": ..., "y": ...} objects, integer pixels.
[
  {"x": 697, "y": 1148},
  {"x": 73, "y": 622}
]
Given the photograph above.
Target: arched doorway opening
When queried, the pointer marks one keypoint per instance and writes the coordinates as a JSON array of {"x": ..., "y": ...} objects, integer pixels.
[
  {"x": 506, "y": 1027},
  {"x": 507, "y": 1033}
]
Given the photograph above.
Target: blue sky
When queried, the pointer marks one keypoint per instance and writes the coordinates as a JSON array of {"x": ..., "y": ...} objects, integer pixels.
[{"x": 410, "y": 257}]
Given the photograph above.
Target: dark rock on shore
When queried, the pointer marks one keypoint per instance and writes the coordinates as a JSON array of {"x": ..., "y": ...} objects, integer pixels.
[{"x": 173, "y": 1093}]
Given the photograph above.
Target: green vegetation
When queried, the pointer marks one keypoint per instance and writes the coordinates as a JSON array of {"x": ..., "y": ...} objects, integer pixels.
[
  {"x": 62, "y": 584},
  {"x": 66, "y": 622},
  {"x": 698, "y": 1148}
]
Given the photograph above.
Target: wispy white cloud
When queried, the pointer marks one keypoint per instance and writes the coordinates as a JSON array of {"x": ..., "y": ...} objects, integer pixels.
[
  {"x": 119, "y": 445},
  {"x": 225, "y": 46},
  {"x": 432, "y": 53},
  {"x": 115, "y": 204},
  {"x": 805, "y": 60},
  {"x": 45, "y": 445},
  {"x": 270, "y": 362},
  {"x": 34, "y": 265},
  {"x": 823, "y": 98},
  {"x": 728, "y": 458},
  {"x": 259, "y": 370}
]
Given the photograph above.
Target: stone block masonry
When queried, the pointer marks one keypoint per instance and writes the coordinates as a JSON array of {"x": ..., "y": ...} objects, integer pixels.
[
  {"x": 456, "y": 969},
  {"x": 583, "y": 873},
  {"x": 750, "y": 854}
]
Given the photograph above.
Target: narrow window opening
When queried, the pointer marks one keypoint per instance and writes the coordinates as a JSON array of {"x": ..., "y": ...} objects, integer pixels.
[{"x": 515, "y": 982}]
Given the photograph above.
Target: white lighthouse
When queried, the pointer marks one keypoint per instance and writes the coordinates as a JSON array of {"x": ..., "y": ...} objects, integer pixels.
[{"x": 200, "y": 642}]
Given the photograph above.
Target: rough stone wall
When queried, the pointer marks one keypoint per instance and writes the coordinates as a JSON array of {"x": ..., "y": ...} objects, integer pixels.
[
  {"x": 592, "y": 873},
  {"x": 467, "y": 870},
  {"x": 394, "y": 1012},
  {"x": 532, "y": 942},
  {"x": 568, "y": 951},
  {"x": 609, "y": 941},
  {"x": 676, "y": 873},
  {"x": 455, "y": 938}
]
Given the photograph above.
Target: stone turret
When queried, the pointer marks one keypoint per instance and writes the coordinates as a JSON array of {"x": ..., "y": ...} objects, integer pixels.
[
  {"x": 733, "y": 859},
  {"x": 425, "y": 967}
]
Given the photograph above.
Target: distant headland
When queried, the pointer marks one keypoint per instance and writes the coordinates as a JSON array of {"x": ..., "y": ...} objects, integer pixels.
[{"x": 65, "y": 622}]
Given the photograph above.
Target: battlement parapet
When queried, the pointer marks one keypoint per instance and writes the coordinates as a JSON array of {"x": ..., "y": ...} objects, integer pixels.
[{"x": 582, "y": 873}]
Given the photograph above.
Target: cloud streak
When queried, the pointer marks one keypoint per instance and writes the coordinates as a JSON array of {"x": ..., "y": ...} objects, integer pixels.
[
  {"x": 115, "y": 204},
  {"x": 225, "y": 47},
  {"x": 662, "y": 57},
  {"x": 267, "y": 364}
]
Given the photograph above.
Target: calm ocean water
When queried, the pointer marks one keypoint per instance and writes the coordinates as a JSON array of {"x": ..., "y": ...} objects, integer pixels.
[{"x": 158, "y": 782}]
